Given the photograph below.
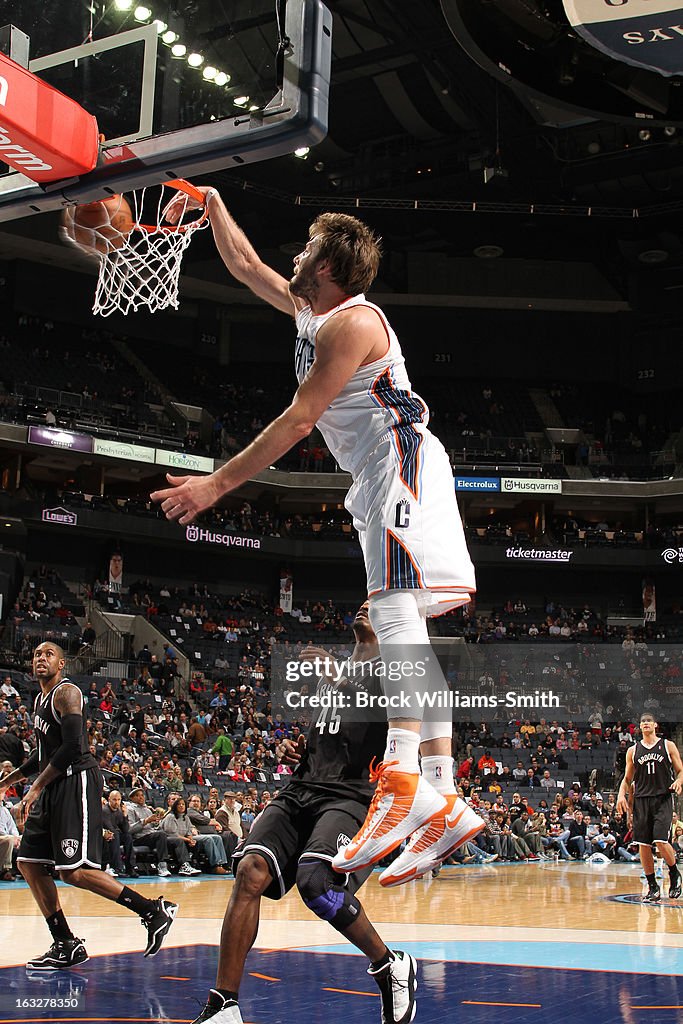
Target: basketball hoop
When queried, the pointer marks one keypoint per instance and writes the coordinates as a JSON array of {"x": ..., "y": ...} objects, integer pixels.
[{"x": 144, "y": 271}]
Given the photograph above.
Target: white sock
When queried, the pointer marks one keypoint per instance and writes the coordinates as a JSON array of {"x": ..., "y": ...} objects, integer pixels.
[
  {"x": 403, "y": 747},
  {"x": 438, "y": 770}
]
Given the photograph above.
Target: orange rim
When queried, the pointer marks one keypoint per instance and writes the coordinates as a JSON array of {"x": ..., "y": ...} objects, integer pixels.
[{"x": 180, "y": 185}]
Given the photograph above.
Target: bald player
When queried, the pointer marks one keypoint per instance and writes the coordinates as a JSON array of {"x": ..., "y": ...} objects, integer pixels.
[{"x": 62, "y": 817}]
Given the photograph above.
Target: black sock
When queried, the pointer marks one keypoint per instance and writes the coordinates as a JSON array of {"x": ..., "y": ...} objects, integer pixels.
[
  {"x": 673, "y": 871},
  {"x": 218, "y": 997},
  {"x": 386, "y": 959},
  {"x": 59, "y": 929},
  {"x": 132, "y": 900},
  {"x": 651, "y": 880}
]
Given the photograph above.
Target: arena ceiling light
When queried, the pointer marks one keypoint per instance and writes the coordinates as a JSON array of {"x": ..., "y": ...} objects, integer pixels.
[
  {"x": 651, "y": 257},
  {"x": 488, "y": 252},
  {"x": 211, "y": 74},
  {"x": 302, "y": 152},
  {"x": 240, "y": 101}
]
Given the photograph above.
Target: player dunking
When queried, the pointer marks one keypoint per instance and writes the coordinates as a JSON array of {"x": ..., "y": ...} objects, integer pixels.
[
  {"x": 294, "y": 840},
  {"x": 654, "y": 771},
  {"x": 62, "y": 815},
  {"x": 353, "y": 385}
]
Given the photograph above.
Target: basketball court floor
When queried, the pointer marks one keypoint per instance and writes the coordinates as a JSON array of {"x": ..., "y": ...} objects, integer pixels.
[{"x": 523, "y": 944}]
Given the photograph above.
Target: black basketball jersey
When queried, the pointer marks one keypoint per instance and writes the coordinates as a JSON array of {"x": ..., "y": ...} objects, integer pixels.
[
  {"x": 339, "y": 748},
  {"x": 653, "y": 771},
  {"x": 48, "y": 727}
]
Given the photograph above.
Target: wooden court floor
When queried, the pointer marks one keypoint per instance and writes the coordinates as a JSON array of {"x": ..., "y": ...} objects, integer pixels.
[{"x": 519, "y": 929}]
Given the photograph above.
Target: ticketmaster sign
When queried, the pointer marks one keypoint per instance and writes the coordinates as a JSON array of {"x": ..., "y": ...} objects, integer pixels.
[
  {"x": 527, "y": 485},
  {"x": 539, "y": 554}
]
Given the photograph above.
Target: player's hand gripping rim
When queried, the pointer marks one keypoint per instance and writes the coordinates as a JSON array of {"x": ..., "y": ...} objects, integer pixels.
[{"x": 182, "y": 202}]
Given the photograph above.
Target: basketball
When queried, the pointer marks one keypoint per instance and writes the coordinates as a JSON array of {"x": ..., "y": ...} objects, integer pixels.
[{"x": 100, "y": 226}]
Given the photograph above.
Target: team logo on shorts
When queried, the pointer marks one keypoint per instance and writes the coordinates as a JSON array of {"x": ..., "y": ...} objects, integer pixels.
[
  {"x": 70, "y": 847},
  {"x": 402, "y": 517},
  {"x": 342, "y": 840}
]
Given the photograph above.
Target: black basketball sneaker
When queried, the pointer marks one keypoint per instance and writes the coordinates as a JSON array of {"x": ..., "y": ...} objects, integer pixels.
[
  {"x": 397, "y": 982},
  {"x": 653, "y": 894},
  {"x": 158, "y": 924},
  {"x": 219, "y": 1010},
  {"x": 674, "y": 884},
  {"x": 61, "y": 955}
]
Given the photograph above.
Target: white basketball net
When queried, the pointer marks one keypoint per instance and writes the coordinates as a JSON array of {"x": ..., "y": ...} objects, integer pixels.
[{"x": 144, "y": 271}]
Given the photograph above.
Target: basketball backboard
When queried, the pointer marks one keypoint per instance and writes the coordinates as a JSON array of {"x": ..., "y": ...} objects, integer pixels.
[{"x": 177, "y": 88}]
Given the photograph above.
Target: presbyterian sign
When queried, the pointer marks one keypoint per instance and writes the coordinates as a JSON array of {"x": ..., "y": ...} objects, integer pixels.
[{"x": 645, "y": 33}]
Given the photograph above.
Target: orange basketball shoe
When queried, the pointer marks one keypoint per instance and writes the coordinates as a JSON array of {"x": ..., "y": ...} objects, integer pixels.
[
  {"x": 402, "y": 803},
  {"x": 431, "y": 844}
]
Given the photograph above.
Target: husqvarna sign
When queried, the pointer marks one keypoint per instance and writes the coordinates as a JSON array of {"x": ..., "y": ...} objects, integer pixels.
[{"x": 645, "y": 33}]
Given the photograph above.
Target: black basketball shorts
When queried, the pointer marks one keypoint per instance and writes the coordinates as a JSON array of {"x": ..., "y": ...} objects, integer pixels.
[
  {"x": 64, "y": 827},
  {"x": 304, "y": 824},
  {"x": 652, "y": 817}
]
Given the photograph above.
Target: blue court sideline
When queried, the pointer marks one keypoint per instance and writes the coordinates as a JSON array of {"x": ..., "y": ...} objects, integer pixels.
[{"x": 325, "y": 986}]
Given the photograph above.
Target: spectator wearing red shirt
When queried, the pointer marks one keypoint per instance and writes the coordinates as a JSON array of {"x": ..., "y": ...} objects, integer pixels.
[{"x": 486, "y": 764}]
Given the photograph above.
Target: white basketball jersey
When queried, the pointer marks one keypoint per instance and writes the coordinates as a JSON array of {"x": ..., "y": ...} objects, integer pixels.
[{"x": 377, "y": 401}]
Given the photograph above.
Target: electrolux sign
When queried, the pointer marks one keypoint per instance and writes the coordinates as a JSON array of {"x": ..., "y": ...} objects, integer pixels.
[{"x": 477, "y": 483}]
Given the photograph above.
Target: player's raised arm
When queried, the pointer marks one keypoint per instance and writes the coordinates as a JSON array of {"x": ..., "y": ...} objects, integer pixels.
[
  {"x": 237, "y": 252},
  {"x": 677, "y": 765},
  {"x": 343, "y": 345}
]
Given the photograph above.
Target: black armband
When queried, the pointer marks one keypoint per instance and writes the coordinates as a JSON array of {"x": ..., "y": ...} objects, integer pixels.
[
  {"x": 31, "y": 765},
  {"x": 70, "y": 750}
]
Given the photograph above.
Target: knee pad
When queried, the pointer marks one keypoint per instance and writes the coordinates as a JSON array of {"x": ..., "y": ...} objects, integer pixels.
[{"x": 322, "y": 893}]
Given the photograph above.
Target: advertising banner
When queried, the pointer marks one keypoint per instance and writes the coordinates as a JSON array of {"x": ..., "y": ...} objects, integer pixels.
[
  {"x": 529, "y": 485},
  {"x": 54, "y": 438},
  {"x": 477, "y": 483},
  {"x": 115, "y": 572},
  {"x": 123, "y": 450},
  {"x": 197, "y": 534},
  {"x": 286, "y": 591},
  {"x": 538, "y": 554},
  {"x": 649, "y": 601},
  {"x": 186, "y": 462},
  {"x": 644, "y": 33},
  {"x": 59, "y": 515}
]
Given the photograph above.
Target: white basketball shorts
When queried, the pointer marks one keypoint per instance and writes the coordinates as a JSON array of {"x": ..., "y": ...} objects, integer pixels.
[{"x": 405, "y": 511}]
